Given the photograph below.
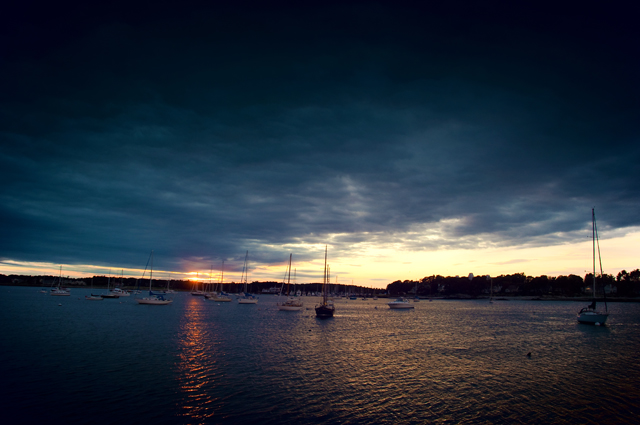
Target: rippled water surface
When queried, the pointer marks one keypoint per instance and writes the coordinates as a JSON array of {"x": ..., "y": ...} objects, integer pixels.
[{"x": 197, "y": 361}]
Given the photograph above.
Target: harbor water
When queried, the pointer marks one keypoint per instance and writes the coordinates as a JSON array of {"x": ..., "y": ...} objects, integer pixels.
[{"x": 73, "y": 361}]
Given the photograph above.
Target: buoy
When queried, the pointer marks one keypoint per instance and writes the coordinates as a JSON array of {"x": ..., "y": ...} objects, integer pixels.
[{"x": 60, "y": 305}]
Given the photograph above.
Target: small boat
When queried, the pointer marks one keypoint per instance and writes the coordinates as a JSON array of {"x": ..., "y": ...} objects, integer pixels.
[
  {"x": 220, "y": 296},
  {"x": 153, "y": 298},
  {"x": 196, "y": 291},
  {"x": 400, "y": 303},
  {"x": 119, "y": 291},
  {"x": 109, "y": 294},
  {"x": 59, "y": 291},
  {"x": 590, "y": 314},
  {"x": 292, "y": 303},
  {"x": 325, "y": 309},
  {"x": 246, "y": 298},
  {"x": 93, "y": 297}
]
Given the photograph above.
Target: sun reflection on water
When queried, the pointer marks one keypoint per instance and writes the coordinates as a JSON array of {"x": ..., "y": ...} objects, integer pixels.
[{"x": 197, "y": 366}]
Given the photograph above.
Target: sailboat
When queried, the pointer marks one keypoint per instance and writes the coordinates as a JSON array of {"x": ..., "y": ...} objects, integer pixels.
[
  {"x": 220, "y": 296},
  {"x": 292, "y": 303},
  {"x": 93, "y": 297},
  {"x": 590, "y": 314},
  {"x": 153, "y": 299},
  {"x": 109, "y": 293},
  {"x": 246, "y": 297},
  {"x": 400, "y": 303},
  {"x": 195, "y": 291},
  {"x": 118, "y": 290},
  {"x": 326, "y": 308},
  {"x": 59, "y": 291}
]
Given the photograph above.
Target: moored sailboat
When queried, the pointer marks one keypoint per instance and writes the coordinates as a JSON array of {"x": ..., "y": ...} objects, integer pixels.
[
  {"x": 153, "y": 299},
  {"x": 93, "y": 297},
  {"x": 219, "y": 295},
  {"x": 326, "y": 308},
  {"x": 590, "y": 314},
  {"x": 292, "y": 303},
  {"x": 400, "y": 303},
  {"x": 59, "y": 291},
  {"x": 109, "y": 294},
  {"x": 246, "y": 297}
]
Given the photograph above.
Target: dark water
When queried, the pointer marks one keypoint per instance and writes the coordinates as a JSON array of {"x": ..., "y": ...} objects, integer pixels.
[{"x": 197, "y": 361}]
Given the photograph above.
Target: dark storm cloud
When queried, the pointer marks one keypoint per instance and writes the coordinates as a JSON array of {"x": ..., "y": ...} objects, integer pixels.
[{"x": 206, "y": 132}]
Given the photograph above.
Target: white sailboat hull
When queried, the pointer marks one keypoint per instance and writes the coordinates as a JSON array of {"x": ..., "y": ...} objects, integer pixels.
[
  {"x": 400, "y": 304},
  {"x": 593, "y": 317},
  {"x": 247, "y": 301},
  {"x": 289, "y": 308}
]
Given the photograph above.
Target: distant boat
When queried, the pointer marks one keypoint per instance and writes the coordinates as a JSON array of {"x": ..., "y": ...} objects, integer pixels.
[
  {"x": 246, "y": 297},
  {"x": 400, "y": 303},
  {"x": 59, "y": 291},
  {"x": 109, "y": 293},
  {"x": 325, "y": 309},
  {"x": 292, "y": 303},
  {"x": 590, "y": 314},
  {"x": 153, "y": 299},
  {"x": 93, "y": 297},
  {"x": 119, "y": 291},
  {"x": 219, "y": 295},
  {"x": 195, "y": 291}
]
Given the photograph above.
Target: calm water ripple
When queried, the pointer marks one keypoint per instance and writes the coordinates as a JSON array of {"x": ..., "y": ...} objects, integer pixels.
[{"x": 197, "y": 362}]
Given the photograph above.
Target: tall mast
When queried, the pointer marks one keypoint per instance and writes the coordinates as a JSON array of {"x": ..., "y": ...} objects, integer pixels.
[
  {"x": 324, "y": 279},
  {"x": 222, "y": 278},
  {"x": 151, "y": 271},
  {"x": 593, "y": 232},
  {"x": 289, "y": 278}
]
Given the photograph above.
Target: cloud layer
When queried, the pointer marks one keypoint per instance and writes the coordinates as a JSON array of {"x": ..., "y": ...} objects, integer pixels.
[{"x": 204, "y": 132}]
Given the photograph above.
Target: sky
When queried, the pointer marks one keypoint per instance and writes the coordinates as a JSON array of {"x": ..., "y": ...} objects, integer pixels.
[{"x": 409, "y": 138}]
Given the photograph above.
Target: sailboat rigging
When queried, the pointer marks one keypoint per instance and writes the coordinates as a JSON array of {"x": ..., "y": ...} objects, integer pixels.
[
  {"x": 153, "y": 299},
  {"x": 292, "y": 303},
  {"x": 246, "y": 297},
  {"x": 219, "y": 295},
  {"x": 326, "y": 308},
  {"x": 590, "y": 314},
  {"x": 93, "y": 297},
  {"x": 59, "y": 291}
]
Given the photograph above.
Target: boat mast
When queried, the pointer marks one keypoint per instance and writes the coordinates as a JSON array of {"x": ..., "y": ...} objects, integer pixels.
[
  {"x": 151, "y": 271},
  {"x": 324, "y": 278},
  {"x": 593, "y": 233},
  {"x": 289, "y": 278},
  {"x": 596, "y": 242},
  {"x": 245, "y": 271},
  {"x": 222, "y": 278}
]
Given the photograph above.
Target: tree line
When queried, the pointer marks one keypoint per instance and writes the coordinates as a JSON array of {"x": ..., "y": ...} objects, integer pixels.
[{"x": 625, "y": 284}]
